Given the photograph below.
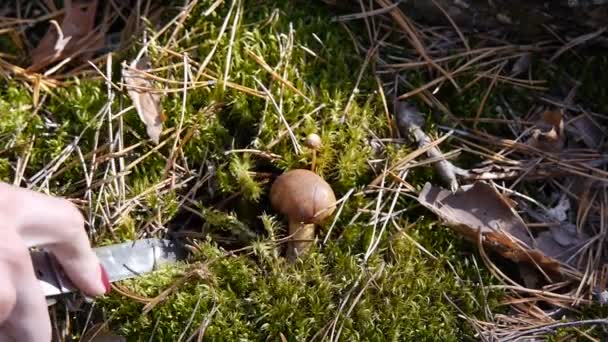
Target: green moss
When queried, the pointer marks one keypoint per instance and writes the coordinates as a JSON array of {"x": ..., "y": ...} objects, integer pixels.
[
  {"x": 240, "y": 171},
  {"x": 264, "y": 299},
  {"x": 258, "y": 296}
]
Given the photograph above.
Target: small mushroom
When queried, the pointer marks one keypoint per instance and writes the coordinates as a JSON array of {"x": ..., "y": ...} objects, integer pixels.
[
  {"x": 313, "y": 141},
  {"x": 306, "y": 199}
]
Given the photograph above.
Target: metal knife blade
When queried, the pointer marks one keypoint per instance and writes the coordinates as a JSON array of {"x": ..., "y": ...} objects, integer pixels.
[{"x": 121, "y": 261}]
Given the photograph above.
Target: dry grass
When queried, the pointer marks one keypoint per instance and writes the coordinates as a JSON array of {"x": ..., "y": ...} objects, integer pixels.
[
  {"x": 407, "y": 61},
  {"x": 460, "y": 60}
]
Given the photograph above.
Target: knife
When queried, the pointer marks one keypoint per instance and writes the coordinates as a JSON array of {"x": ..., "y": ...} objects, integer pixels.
[{"x": 122, "y": 261}]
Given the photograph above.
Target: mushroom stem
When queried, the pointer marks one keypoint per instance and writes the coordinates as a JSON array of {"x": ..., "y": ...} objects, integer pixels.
[
  {"x": 314, "y": 160},
  {"x": 301, "y": 239}
]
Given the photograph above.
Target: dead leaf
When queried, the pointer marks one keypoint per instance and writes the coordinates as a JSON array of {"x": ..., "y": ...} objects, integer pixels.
[
  {"x": 561, "y": 240},
  {"x": 146, "y": 102},
  {"x": 587, "y": 130},
  {"x": 522, "y": 64},
  {"x": 74, "y": 37},
  {"x": 477, "y": 206},
  {"x": 480, "y": 209},
  {"x": 560, "y": 211},
  {"x": 548, "y": 132}
]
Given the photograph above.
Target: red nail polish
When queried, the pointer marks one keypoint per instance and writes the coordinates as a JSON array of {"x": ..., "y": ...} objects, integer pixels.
[{"x": 105, "y": 279}]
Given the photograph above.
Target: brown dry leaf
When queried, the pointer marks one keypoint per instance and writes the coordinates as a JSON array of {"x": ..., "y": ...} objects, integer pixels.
[
  {"x": 75, "y": 36},
  {"x": 477, "y": 206},
  {"x": 548, "y": 133},
  {"x": 146, "y": 102},
  {"x": 480, "y": 209}
]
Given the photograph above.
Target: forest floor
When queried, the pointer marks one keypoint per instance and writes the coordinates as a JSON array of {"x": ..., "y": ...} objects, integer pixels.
[{"x": 240, "y": 85}]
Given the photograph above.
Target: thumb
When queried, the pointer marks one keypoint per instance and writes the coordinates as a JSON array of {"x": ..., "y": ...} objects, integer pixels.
[
  {"x": 57, "y": 225},
  {"x": 73, "y": 251}
]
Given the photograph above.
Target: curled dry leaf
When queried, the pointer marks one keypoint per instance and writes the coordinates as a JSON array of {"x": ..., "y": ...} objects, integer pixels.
[
  {"x": 480, "y": 209},
  {"x": 548, "y": 132},
  {"x": 145, "y": 99},
  {"x": 75, "y": 36}
]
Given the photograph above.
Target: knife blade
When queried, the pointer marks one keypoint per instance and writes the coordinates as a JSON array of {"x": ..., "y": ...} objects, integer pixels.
[{"x": 122, "y": 261}]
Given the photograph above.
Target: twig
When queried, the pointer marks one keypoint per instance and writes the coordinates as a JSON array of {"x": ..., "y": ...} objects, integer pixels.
[{"x": 409, "y": 121}]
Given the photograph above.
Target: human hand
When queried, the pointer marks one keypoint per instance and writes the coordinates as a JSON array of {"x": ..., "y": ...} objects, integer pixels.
[{"x": 33, "y": 219}]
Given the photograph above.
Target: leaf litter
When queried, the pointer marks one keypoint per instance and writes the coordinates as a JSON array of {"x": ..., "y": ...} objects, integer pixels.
[
  {"x": 559, "y": 248},
  {"x": 564, "y": 242},
  {"x": 76, "y": 38},
  {"x": 535, "y": 193}
]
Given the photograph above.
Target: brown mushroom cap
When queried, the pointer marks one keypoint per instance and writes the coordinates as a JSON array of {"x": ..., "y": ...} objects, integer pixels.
[{"x": 301, "y": 194}]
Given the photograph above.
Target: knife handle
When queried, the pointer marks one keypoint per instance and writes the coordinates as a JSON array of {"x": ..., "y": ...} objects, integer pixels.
[{"x": 52, "y": 277}]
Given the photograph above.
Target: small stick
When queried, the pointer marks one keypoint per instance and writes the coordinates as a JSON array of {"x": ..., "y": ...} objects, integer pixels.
[{"x": 409, "y": 121}]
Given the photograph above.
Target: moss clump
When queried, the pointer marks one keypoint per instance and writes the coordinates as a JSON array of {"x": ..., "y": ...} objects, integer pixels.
[
  {"x": 261, "y": 296},
  {"x": 257, "y": 295}
]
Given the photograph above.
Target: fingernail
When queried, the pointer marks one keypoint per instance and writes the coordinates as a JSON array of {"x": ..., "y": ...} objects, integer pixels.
[{"x": 105, "y": 279}]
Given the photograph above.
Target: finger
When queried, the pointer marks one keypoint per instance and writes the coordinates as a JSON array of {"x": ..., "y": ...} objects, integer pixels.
[
  {"x": 72, "y": 247},
  {"x": 57, "y": 225},
  {"x": 8, "y": 293},
  {"x": 28, "y": 321},
  {"x": 40, "y": 219},
  {"x": 4, "y": 337}
]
